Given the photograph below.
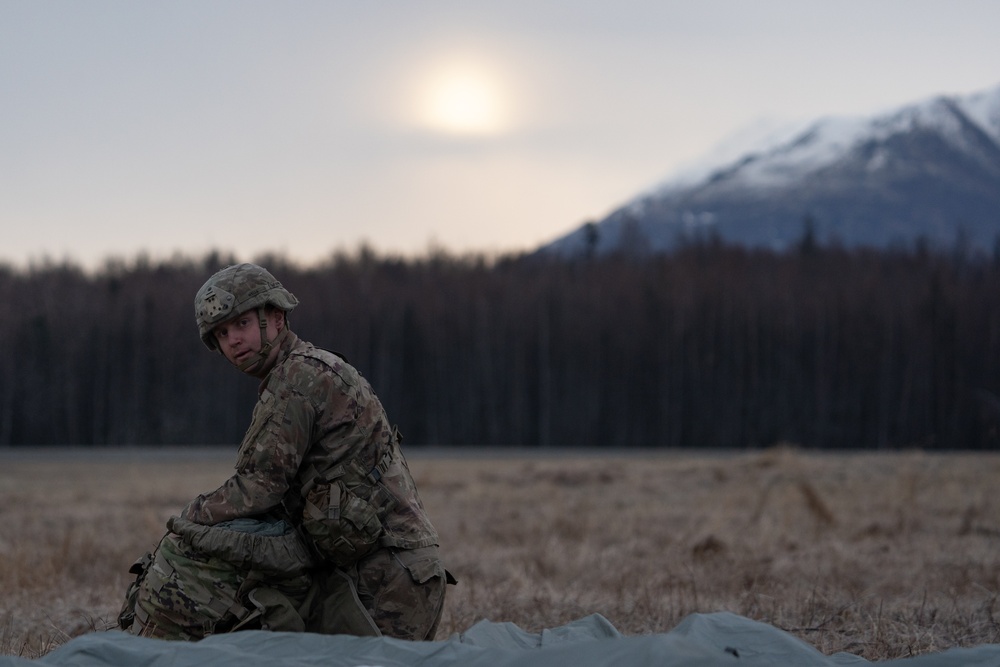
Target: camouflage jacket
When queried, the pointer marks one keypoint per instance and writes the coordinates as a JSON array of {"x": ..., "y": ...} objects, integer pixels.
[{"x": 315, "y": 412}]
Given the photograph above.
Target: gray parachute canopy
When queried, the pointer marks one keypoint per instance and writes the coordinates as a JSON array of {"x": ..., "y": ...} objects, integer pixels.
[{"x": 707, "y": 640}]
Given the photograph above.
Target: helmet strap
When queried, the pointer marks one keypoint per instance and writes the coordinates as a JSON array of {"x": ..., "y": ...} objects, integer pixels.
[{"x": 265, "y": 345}]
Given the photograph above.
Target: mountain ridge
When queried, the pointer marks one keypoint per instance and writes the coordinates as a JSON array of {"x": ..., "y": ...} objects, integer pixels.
[{"x": 925, "y": 172}]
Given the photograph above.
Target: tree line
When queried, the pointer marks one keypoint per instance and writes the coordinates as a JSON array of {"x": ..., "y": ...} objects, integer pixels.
[{"x": 709, "y": 346}]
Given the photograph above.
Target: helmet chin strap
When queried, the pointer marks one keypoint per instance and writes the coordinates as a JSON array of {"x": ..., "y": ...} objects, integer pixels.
[{"x": 266, "y": 345}]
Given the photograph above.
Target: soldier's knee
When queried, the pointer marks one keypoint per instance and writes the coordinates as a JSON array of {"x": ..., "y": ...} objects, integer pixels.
[{"x": 405, "y": 591}]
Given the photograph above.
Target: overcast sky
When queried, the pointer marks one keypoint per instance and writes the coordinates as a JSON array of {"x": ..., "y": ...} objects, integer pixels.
[{"x": 306, "y": 127}]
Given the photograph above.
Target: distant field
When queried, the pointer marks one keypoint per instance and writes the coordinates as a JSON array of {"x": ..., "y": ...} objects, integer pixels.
[{"x": 881, "y": 555}]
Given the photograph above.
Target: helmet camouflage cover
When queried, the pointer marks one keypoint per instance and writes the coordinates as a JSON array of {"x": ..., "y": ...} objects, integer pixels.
[{"x": 233, "y": 291}]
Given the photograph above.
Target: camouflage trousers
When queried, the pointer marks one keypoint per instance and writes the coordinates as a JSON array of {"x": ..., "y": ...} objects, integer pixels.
[{"x": 403, "y": 591}]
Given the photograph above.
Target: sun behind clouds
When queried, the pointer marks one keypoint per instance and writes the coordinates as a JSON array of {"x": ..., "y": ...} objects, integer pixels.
[{"x": 463, "y": 97}]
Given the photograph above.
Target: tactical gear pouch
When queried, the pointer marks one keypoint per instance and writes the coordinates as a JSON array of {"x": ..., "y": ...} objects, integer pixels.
[
  {"x": 345, "y": 524},
  {"x": 139, "y": 568}
]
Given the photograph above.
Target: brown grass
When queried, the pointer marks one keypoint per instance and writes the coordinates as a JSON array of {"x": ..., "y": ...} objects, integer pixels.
[{"x": 881, "y": 555}]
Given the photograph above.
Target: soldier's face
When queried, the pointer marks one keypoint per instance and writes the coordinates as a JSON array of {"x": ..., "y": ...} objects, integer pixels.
[{"x": 239, "y": 338}]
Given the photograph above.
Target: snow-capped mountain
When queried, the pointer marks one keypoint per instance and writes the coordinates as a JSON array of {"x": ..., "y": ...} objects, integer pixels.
[{"x": 927, "y": 171}]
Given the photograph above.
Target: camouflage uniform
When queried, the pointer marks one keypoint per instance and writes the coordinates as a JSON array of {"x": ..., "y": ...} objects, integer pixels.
[{"x": 318, "y": 424}]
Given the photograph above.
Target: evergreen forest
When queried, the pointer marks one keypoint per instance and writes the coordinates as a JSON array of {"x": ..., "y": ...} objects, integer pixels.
[{"x": 711, "y": 346}]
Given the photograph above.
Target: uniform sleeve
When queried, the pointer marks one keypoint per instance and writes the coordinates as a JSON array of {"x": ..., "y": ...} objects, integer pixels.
[{"x": 268, "y": 460}]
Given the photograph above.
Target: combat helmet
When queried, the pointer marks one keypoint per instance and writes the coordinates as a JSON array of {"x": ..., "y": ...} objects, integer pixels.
[{"x": 235, "y": 290}]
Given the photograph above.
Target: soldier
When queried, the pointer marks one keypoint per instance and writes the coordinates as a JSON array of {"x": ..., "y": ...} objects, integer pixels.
[{"x": 320, "y": 453}]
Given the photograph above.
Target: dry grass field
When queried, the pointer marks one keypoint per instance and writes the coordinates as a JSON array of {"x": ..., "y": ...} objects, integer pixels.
[{"x": 881, "y": 555}]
